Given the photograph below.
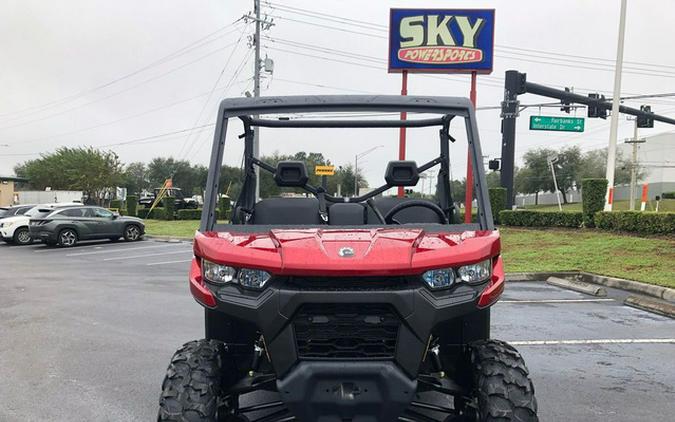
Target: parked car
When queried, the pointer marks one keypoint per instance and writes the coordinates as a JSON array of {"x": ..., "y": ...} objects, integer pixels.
[
  {"x": 65, "y": 227},
  {"x": 14, "y": 230},
  {"x": 12, "y": 210},
  {"x": 182, "y": 203}
]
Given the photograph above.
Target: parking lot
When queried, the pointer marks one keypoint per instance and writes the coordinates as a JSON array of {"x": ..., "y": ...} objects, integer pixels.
[{"x": 86, "y": 334}]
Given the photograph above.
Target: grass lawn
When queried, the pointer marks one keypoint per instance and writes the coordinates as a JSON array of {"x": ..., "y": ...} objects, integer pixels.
[
  {"x": 664, "y": 205},
  {"x": 651, "y": 260},
  {"x": 179, "y": 228}
]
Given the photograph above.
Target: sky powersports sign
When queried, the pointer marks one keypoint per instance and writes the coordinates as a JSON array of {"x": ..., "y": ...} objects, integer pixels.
[{"x": 441, "y": 40}]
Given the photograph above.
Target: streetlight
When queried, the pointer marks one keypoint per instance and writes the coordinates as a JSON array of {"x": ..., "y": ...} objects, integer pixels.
[
  {"x": 356, "y": 166},
  {"x": 551, "y": 160}
]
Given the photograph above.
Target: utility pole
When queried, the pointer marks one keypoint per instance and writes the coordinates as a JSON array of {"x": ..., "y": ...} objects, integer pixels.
[
  {"x": 634, "y": 164},
  {"x": 256, "y": 92},
  {"x": 616, "y": 103}
]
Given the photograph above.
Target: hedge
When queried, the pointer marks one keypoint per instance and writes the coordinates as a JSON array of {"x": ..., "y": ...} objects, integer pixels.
[
  {"x": 638, "y": 222},
  {"x": 158, "y": 213},
  {"x": 525, "y": 218},
  {"x": 497, "y": 202},
  {"x": 170, "y": 207},
  {"x": 132, "y": 204},
  {"x": 593, "y": 198},
  {"x": 668, "y": 195},
  {"x": 117, "y": 204},
  {"x": 192, "y": 214},
  {"x": 224, "y": 206}
]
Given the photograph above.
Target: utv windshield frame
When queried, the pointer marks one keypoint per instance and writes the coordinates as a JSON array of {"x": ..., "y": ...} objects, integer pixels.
[{"x": 248, "y": 110}]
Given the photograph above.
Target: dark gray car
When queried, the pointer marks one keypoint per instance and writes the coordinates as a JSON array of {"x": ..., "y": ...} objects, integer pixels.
[{"x": 65, "y": 227}]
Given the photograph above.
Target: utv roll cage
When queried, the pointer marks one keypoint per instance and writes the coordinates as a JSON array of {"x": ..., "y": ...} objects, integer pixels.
[{"x": 247, "y": 110}]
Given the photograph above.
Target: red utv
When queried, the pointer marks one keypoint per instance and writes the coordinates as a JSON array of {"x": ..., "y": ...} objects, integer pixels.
[{"x": 361, "y": 308}]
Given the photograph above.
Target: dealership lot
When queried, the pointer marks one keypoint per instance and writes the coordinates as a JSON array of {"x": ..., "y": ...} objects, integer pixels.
[{"x": 86, "y": 334}]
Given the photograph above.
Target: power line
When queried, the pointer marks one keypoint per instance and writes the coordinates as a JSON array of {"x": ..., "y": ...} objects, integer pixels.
[
  {"x": 122, "y": 90},
  {"x": 181, "y": 51}
]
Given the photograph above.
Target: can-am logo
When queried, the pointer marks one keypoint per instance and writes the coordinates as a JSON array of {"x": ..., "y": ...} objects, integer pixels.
[
  {"x": 441, "y": 40},
  {"x": 428, "y": 39}
]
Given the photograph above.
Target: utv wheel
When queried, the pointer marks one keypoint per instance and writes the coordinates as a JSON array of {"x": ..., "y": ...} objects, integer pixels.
[
  {"x": 195, "y": 384},
  {"x": 22, "y": 236},
  {"x": 132, "y": 233},
  {"x": 502, "y": 387},
  {"x": 67, "y": 238}
]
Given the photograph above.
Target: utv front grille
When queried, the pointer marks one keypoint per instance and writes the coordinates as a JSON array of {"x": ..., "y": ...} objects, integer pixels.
[{"x": 340, "y": 331}]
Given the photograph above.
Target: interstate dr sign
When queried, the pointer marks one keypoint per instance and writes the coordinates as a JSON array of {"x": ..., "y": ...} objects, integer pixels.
[
  {"x": 441, "y": 40},
  {"x": 558, "y": 124}
]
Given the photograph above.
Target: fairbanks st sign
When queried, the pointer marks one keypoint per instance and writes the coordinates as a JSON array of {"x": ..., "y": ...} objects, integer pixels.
[{"x": 558, "y": 124}]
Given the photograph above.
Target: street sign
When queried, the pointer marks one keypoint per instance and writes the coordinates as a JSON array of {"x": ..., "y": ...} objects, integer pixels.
[
  {"x": 324, "y": 170},
  {"x": 441, "y": 40},
  {"x": 558, "y": 124}
]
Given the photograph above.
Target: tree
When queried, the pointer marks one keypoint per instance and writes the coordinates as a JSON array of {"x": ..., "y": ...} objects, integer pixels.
[
  {"x": 90, "y": 170},
  {"x": 567, "y": 169},
  {"x": 183, "y": 174},
  {"x": 538, "y": 173},
  {"x": 594, "y": 166},
  {"x": 136, "y": 178}
]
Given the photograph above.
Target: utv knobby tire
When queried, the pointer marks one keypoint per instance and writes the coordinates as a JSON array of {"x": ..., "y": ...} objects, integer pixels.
[
  {"x": 501, "y": 383},
  {"x": 196, "y": 379}
]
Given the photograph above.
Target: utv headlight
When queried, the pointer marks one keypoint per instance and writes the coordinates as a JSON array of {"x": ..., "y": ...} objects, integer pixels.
[
  {"x": 476, "y": 273},
  {"x": 441, "y": 278},
  {"x": 216, "y": 273},
  {"x": 252, "y": 278}
]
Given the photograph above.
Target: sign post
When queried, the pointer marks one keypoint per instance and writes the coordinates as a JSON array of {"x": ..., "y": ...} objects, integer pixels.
[{"x": 441, "y": 41}]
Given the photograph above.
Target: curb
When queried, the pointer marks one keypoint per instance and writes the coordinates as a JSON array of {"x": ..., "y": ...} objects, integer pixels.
[
  {"x": 169, "y": 239},
  {"x": 651, "y": 305},
  {"x": 578, "y": 286},
  {"x": 658, "y": 292}
]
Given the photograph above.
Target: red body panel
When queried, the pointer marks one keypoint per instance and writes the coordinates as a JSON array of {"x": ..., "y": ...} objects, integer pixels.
[{"x": 377, "y": 252}]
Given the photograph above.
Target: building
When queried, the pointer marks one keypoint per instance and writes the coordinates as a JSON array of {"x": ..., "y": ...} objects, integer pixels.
[
  {"x": 656, "y": 158},
  {"x": 7, "y": 193}
]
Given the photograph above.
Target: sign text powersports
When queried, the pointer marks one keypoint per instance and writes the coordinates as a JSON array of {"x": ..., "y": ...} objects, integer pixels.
[{"x": 444, "y": 40}]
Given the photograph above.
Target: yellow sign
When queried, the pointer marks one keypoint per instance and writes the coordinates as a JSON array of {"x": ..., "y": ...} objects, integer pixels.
[{"x": 324, "y": 170}]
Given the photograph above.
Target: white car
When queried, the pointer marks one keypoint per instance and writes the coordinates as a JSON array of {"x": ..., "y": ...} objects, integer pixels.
[{"x": 15, "y": 229}]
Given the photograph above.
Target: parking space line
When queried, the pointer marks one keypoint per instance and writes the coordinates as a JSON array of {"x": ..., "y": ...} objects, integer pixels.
[
  {"x": 118, "y": 258},
  {"x": 169, "y": 262},
  {"x": 557, "y": 301},
  {"x": 594, "y": 341},
  {"x": 126, "y": 249}
]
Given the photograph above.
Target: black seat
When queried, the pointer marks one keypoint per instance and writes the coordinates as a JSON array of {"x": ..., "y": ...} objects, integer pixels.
[
  {"x": 275, "y": 211},
  {"x": 346, "y": 214},
  {"x": 415, "y": 214}
]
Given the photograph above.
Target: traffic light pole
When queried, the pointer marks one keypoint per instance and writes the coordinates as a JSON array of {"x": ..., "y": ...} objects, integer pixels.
[{"x": 516, "y": 84}]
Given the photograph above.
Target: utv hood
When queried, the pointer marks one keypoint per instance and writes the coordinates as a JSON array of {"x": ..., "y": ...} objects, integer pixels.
[{"x": 336, "y": 252}]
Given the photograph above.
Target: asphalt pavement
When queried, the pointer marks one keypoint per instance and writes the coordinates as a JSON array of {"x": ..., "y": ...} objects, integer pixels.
[{"x": 86, "y": 334}]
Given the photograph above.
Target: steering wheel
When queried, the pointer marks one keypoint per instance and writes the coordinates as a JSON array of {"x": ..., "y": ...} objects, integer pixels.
[{"x": 389, "y": 217}]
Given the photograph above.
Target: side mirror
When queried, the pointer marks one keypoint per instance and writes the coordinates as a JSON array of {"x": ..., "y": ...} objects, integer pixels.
[{"x": 115, "y": 216}]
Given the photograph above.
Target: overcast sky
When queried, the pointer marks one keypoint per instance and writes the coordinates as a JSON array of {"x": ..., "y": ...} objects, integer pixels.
[{"x": 116, "y": 74}]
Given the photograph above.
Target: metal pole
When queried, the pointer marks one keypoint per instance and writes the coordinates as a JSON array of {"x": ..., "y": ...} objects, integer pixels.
[
  {"x": 509, "y": 114},
  {"x": 555, "y": 184},
  {"x": 468, "y": 198},
  {"x": 256, "y": 93},
  {"x": 356, "y": 175},
  {"x": 401, "y": 131},
  {"x": 616, "y": 102},
  {"x": 633, "y": 167}
]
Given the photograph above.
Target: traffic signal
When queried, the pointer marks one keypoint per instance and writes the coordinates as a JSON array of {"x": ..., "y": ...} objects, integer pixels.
[
  {"x": 565, "y": 104},
  {"x": 594, "y": 110},
  {"x": 645, "y": 121}
]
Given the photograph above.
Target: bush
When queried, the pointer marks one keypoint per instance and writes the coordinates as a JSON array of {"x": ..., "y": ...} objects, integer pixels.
[
  {"x": 593, "y": 198},
  {"x": 524, "y": 218},
  {"x": 637, "y": 222},
  {"x": 132, "y": 204},
  {"x": 668, "y": 195},
  {"x": 158, "y": 213},
  {"x": 117, "y": 204},
  {"x": 170, "y": 208},
  {"x": 497, "y": 202}
]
